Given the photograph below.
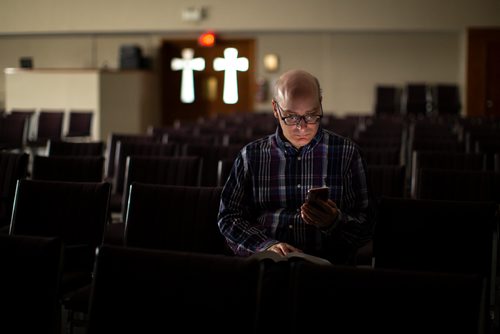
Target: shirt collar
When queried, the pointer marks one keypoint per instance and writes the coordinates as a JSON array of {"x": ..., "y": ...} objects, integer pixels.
[{"x": 288, "y": 148}]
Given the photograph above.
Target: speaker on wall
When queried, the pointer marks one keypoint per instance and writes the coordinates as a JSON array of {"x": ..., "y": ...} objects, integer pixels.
[
  {"x": 26, "y": 62},
  {"x": 130, "y": 57}
]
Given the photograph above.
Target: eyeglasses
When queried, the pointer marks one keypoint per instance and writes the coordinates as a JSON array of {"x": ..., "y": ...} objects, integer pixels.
[{"x": 296, "y": 119}]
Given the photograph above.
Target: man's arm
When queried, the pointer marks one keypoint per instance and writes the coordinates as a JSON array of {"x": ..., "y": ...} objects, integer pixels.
[{"x": 235, "y": 220}]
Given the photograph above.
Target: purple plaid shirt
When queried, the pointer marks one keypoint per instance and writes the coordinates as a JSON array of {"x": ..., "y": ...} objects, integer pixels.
[{"x": 269, "y": 180}]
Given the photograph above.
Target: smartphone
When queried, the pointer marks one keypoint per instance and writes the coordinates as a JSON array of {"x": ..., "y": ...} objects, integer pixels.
[{"x": 319, "y": 193}]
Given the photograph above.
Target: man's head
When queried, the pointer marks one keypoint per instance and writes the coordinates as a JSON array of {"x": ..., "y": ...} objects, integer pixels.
[{"x": 297, "y": 93}]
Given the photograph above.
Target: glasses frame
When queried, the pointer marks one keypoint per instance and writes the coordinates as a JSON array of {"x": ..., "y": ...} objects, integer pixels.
[{"x": 301, "y": 118}]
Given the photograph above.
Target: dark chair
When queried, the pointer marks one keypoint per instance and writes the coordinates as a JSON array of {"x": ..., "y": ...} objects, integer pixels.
[
  {"x": 80, "y": 123},
  {"x": 68, "y": 168},
  {"x": 23, "y": 114},
  {"x": 438, "y": 236},
  {"x": 112, "y": 142},
  {"x": 490, "y": 147},
  {"x": 49, "y": 127},
  {"x": 386, "y": 180},
  {"x": 147, "y": 291},
  {"x": 387, "y": 100},
  {"x": 182, "y": 218},
  {"x": 13, "y": 133},
  {"x": 363, "y": 300},
  {"x": 65, "y": 148},
  {"x": 211, "y": 154},
  {"x": 443, "y": 160},
  {"x": 77, "y": 213},
  {"x": 416, "y": 99},
  {"x": 173, "y": 217},
  {"x": 131, "y": 148},
  {"x": 383, "y": 156},
  {"x": 458, "y": 185},
  {"x": 31, "y": 276},
  {"x": 13, "y": 166},
  {"x": 447, "y": 99},
  {"x": 181, "y": 171}
]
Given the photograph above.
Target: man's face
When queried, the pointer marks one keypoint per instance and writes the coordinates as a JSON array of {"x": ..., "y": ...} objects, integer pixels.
[{"x": 302, "y": 133}]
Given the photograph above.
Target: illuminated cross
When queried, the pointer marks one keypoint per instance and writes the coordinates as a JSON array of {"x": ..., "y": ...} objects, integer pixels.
[
  {"x": 230, "y": 64},
  {"x": 187, "y": 64}
]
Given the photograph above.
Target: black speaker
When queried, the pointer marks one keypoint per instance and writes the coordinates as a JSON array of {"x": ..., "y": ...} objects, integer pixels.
[
  {"x": 26, "y": 62},
  {"x": 130, "y": 57}
]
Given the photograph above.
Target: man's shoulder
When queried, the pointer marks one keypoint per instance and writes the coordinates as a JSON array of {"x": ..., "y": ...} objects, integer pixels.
[
  {"x": 259, "y": 142},
  {"x": 334, "y": 138}
]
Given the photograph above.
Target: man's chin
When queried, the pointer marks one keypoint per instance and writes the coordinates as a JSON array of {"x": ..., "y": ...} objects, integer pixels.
[{"x": 299, "y": 142}]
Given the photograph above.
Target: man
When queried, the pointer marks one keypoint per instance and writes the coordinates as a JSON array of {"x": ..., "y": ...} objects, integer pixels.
[{"x": 263, "y": 203}]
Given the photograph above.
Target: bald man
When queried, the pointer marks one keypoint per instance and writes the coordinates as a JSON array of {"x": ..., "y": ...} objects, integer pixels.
[{"x": 264, "y": 201}]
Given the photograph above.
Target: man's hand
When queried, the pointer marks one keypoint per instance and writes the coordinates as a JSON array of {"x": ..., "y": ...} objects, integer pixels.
[
  {"x": 320, "y": 213},
  {"x": 282, "y": 248}
]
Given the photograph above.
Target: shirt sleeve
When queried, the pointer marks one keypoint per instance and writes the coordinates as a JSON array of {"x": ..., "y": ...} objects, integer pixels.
[
  {"x": 235, "y": 219},
  {"x": 354, "y": 225}
]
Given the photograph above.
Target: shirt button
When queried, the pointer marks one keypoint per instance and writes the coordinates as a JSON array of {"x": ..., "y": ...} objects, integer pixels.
[
  {"x": 298, "y": 186},
  {"x": 298, "y": 210},
  {"x": 290, "y": 226},
  {"x": 299, "y": 158}
]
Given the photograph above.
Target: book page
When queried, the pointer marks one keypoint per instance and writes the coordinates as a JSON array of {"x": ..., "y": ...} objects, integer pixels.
[{"x": 293, "y": 255}]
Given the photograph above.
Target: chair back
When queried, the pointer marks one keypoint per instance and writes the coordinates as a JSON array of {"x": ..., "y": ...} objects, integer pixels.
[
  {"x": 80, "y": 123},
  {"x": 68, "y": 168},
  {"x": 148, "y": 291},
  {"x": 112, "y": 142},
  {"x": 66, "y": 148},
  {"x": 362, "y": 300},
  {"x": 180, "y": 171},
  {"x": 438, "y": 236},
  {"x": 174, "y": 217},
  {"x": 50, "y": 124},
  {"x": 13, "y": 166},
  {"x": 31, "y": 276},
  {"x": 76, "y": 212}
]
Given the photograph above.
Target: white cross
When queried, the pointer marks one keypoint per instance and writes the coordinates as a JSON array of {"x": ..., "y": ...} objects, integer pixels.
[
  {"x": 230, "y": 64},
  {"x": 187, "y": 64}
]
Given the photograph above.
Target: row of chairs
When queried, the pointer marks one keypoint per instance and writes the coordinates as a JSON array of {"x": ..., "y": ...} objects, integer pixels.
[
  {"x": 439, "y": 237},
  {"x": 20, "y": 129},
  {"x": 418, "y": 99},
  {"x": 148, "y": 290}
]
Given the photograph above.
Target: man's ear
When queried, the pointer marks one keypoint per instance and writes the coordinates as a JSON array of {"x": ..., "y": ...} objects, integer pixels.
[{"x": 275, "y": 113}]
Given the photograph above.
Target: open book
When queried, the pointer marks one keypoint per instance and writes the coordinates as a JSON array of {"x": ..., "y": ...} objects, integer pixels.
[{"x": 290, "y": 256}]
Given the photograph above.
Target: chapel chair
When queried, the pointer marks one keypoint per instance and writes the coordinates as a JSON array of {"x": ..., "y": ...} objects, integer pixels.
[
  {"x": 13, "y": 133},
  {"x": 211, "y": 154},
  {"x": 127, "y": 148},
  {"x": 174, "y": 217},
  {"x": 365, "y": 300},
  {"x": 76, "y": 212},
  {"x": 445, "y": 161},
  {"x": 66, "y": 148},
  {"x": 457, "y": 185},
  {"x": 137, "y": 290},
  {"x": 170, "y": 217},
  {"x": 13, "y": 166},
  {"x": 49, "y": 127},
  {"x": 181, "y": 171},
  {"x": 79, "y": 124},
  {"x": 111, "y": 145},
  {"x": 438, "y": 236},
  {"x": 68, "y": 168},
  {"x": 31, "y": 276}
]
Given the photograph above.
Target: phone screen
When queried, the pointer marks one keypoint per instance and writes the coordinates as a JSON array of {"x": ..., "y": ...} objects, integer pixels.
[{"x": 315, "y": 194}]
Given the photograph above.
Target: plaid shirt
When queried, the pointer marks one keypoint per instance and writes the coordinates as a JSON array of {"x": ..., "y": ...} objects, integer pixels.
[{"x": 269, "y": 180}]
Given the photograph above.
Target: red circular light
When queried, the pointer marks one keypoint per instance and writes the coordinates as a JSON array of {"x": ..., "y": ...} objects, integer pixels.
[{"x": 207, "y": 39}]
